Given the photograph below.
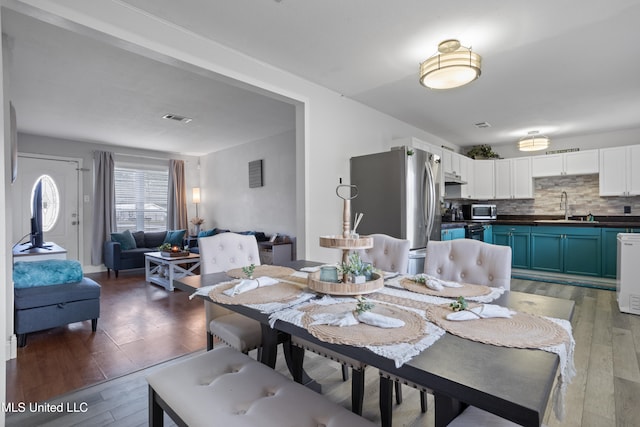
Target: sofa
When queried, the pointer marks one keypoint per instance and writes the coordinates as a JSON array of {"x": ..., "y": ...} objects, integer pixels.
[
  {"x": 126, "y": 250},
  {"x": 52, "y": 293}
]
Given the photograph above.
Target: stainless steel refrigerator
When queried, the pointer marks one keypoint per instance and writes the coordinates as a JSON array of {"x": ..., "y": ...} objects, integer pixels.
[{"x": 399, "y": 195}]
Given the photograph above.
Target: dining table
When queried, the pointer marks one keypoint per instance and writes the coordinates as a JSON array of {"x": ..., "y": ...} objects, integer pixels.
[{"x": 513, "y": 383}]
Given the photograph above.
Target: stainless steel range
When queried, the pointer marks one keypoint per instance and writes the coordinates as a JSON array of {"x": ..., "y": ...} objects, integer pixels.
[{"x": 474, "y": 230}]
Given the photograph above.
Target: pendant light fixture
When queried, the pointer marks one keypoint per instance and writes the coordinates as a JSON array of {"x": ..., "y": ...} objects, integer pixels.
[
  {"x": 453, "y": 66},
  {"x": 533, "y": 142}
]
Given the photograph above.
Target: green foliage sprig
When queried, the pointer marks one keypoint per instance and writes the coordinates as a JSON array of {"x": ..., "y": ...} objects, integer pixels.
[
  {"x": 363, "y": 305},
  {"x": 165, "y": 247},
  {"x": 248, "y": 270},
  {"x": 355, "y": 266},
  {"x": 459, "y": 304}
]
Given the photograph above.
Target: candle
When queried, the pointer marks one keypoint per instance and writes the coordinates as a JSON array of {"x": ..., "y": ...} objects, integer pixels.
[{"x": 175, "y": 249}]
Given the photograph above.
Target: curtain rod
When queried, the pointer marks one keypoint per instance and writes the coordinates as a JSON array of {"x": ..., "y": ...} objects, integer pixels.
[{"x": 142, "y": 156}]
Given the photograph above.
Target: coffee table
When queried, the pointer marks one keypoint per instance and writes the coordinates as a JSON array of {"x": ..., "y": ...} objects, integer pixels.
[{"x": 162, "y": 270}]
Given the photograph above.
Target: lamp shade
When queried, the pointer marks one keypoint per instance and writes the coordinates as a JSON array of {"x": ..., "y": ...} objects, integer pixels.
[
  {"x": 534, "y": 142},
  {"x": 196, "y": 194},
  {"x": 453, "y": 67}
]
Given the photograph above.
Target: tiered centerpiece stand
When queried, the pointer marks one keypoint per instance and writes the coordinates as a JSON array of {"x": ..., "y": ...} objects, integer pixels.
[{"x": 346, "y": 242}]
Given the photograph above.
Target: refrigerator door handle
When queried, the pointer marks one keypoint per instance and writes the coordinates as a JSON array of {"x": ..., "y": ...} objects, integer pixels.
[{"x": 430, "y": 192}]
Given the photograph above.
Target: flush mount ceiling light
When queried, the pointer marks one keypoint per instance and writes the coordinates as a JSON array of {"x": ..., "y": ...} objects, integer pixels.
[
  {"x": 533, "y": 142},
  {"x": 453, "y": 66}
]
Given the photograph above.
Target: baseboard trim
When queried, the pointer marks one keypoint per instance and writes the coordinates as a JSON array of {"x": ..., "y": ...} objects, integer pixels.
[{"x": 11, "y": 348}]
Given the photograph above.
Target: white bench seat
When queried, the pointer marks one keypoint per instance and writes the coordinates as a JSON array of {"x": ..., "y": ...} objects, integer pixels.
[{"x": 227, "y": 388}]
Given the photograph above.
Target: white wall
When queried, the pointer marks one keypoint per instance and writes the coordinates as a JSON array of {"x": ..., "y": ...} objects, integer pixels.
[
  {"x": 6, "y": 290},
  {"x": 36, "y": 144},
  {"x": 227, "y": 200}
]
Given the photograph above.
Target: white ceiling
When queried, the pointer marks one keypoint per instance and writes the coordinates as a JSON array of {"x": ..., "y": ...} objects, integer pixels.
[{"x": 565, "y": 68}]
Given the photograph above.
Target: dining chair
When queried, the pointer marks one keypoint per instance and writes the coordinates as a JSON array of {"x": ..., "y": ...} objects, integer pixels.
[
  {"x": 219, "y": 253},
  {"x": 387, "y": 254},
  {"x": 461, "y": 260}
]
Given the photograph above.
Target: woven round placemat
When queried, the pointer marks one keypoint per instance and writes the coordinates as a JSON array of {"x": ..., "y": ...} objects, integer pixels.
[
  {"x": 466, "y": 290},
  {"x": 522, "y": 330},
  {"x": 362, "y": 335},
  {"x": 262, "y": 271},
  {"x": 280, "y": 292}
]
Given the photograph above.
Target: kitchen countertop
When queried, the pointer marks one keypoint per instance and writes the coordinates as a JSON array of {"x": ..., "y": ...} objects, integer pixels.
[{"x": 554, "y": 220}]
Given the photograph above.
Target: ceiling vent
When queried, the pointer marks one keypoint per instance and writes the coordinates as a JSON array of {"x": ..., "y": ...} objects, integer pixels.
[
  {"x": 177, "y": 118},
  {"x": 482, "y": 125}
]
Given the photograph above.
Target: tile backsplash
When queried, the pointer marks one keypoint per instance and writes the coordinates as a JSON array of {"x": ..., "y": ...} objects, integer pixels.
[{"x": 584, "y": 198}]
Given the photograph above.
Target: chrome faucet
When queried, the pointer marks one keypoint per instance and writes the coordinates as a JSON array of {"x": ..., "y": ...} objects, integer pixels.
[{"x": 564, "y": 201}]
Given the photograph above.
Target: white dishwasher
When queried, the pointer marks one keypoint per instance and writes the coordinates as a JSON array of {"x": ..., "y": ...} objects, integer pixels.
[{"x": 628, "y": 273}]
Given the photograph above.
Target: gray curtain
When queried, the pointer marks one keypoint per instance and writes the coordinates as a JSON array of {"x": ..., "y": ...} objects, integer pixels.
[
  {"x": 177, "y": 198},
  {"x": 104, "y": 203}
]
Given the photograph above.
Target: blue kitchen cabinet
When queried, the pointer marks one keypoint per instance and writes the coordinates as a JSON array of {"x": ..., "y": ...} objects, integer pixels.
[
  {"x": 570, "y": 250},
  {"x": 609, "y": 238},
  {"x": 518, "y": 238},
  {"x": 452, "y": 234},
  {"x": 487, "y": 235}
]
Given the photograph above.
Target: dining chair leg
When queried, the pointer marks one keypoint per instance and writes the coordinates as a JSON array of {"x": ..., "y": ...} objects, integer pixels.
[
  {"x": 423, "y": 401},
  {"x": 386, "y": 396},
  {"x": 398, "y": 388},
  {"x": 209, "y": 341},
  {"x": 357, "y": 391},
  {"x": 345, "y": 373}
]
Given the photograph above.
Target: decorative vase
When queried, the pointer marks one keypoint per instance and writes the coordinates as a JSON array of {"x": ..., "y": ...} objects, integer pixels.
[{"x": 196, "y": 229}]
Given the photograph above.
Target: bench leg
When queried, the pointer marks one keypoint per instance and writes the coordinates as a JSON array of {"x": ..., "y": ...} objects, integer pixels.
[
  {"x": 156, "y": 414},
  {"x": 423, "y": 401},
  {"x": 345, "y": 373},
  {"x": 398, "y": 387},
  {"x": 94, "y": 325}
]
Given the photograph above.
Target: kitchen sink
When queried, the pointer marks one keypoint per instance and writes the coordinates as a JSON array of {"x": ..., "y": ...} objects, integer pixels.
[{"x": 564, "y": 221}]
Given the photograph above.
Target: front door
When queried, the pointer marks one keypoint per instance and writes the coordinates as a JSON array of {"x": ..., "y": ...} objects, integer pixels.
[{"x": 61, "y": 223}]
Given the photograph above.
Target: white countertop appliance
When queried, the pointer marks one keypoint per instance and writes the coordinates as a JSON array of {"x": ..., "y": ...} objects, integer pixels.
[{"x": 628, "y": 272}]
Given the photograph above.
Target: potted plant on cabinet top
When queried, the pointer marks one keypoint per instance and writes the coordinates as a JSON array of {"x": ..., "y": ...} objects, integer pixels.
[{"x": 479, "y": 152}]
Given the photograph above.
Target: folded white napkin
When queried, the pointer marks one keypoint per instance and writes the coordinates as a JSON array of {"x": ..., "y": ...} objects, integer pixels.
[
  {"x": 349, "y": 318},
  {"x": 484, "y": 311},
  {"x": 249, "y": 284},
  {"x": 310, "y": 269},
  {"x": 438, "y": 284}
]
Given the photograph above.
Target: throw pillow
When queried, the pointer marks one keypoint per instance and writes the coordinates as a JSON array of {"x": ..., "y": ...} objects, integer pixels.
[
  {"x": 207, "y": 233},
  {"x": 29, "y": 274},
  {"x": 139, "y": 238},
  {"x": 153, "y": 239},
  {"x": 175, "y": 237},
  {"x": 125, "y": 239}
]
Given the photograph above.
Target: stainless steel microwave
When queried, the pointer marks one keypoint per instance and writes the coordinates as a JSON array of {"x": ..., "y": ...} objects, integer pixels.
[{"x": 480, "y": 211}]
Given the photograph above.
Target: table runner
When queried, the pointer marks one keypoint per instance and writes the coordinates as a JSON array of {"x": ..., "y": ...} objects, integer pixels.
[{"x": 466, "y": 291}]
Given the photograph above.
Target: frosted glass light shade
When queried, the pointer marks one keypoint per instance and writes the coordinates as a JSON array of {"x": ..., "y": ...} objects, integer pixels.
[
  {"x": 533, "y": 142},
  {"x": 453, "y": 67}
]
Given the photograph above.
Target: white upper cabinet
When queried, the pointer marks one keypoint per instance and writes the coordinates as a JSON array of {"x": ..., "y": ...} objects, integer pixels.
[
  {"x": 620, "y": 171},
  {"x": 466, "y": 173},
  {"x": 483, "y": 179},
  {"x": 451, "y": 162},
  {"x": 573, "y": 163},
  {"x": 513, "y": 178}
]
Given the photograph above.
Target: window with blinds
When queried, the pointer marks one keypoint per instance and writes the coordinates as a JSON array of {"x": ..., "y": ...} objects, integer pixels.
[{"x": 141, "y": 197}]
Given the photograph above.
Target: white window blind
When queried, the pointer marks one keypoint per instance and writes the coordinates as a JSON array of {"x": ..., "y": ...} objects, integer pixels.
[{"x": 141, "y": 197}]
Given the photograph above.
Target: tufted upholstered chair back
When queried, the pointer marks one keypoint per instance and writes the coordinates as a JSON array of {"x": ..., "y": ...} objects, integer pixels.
[
  {"x": 469, "y": 261},
  {"x": 387, "y": 254},
  {"x": 219, "y": 253},
  {"x": 224, "y": 251}
]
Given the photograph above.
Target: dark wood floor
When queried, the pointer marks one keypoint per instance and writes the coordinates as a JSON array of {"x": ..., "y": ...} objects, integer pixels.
[{"x": 140, "y": 325}]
